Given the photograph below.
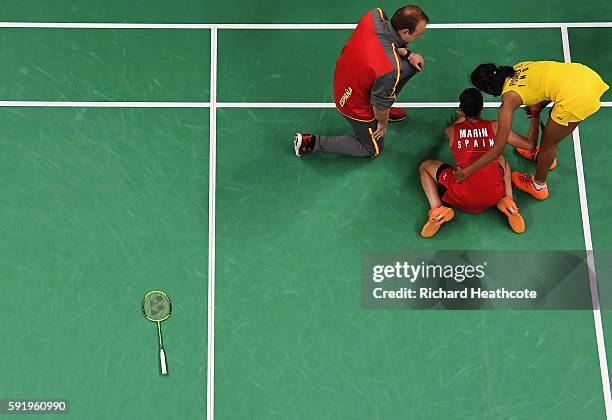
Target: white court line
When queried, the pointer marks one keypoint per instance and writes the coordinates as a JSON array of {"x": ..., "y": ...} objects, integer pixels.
[
  {"x": 109, "y": 25},
  {"x": 104, "y": 104},
  {"x": 250, "y": 26},
  {"x": 586, "y": 227},
  {"x": 500, "y": 25},
  {"x": 332, "y": 105},
  {"x": 128, "y": 104},
  {"x": 212, "y": 185}
]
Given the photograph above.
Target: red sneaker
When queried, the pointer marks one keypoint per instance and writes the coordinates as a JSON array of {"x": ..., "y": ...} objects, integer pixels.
[
  {"x": 524, "y": 182},
  {"x": 303, "y": 143},
  {"x": 396, "y": 114},
  {"x": 533, "y": 155}
]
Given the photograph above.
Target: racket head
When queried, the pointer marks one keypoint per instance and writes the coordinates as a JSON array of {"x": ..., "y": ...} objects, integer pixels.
[{"x": 156, "y": 306}]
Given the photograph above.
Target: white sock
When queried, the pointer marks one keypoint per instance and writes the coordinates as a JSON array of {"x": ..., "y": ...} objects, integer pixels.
[{"x": 537, "y": 186}]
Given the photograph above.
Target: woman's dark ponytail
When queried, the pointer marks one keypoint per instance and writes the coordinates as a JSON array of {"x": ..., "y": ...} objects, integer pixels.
[
  {"x": 490, "y": 79},
  {"x": 505, "y": 72}
]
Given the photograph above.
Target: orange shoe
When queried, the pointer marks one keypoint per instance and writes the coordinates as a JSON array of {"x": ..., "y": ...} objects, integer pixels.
[
  {"x": 396, "y": 114},
  {"x": 528, "y": 154},
  {"x": 437, "y": 216},
  {"x": 507, "y": 206},
  {"x": 524, "y": 182},
  {"x": 533, "y": 155}
]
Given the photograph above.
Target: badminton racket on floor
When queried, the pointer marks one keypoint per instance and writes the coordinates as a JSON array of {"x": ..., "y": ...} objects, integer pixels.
[{"x": 156, "y": 307}]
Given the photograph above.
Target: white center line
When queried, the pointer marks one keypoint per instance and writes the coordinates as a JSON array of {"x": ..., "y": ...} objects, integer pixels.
[
  {"x": 300, "y": 26},
  {"x": 160, "y": 104}
]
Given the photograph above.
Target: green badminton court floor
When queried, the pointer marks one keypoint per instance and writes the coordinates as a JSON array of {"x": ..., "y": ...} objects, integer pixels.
[{"x": 102, "y": 202}]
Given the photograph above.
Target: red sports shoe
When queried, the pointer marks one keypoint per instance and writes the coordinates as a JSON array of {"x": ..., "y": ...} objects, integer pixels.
[
  {"x": 524, "y": 182},
  {"x": 303, "y": 143},
  {"x": 533, "y": 155},
  {"x": 396, "y": 114}
]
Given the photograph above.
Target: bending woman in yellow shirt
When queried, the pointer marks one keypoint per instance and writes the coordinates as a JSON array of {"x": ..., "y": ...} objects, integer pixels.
[{"x": 574, "y": 88}]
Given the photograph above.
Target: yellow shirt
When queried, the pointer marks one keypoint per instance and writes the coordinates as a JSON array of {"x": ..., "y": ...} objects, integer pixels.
[{"x": 572, "y": 86}]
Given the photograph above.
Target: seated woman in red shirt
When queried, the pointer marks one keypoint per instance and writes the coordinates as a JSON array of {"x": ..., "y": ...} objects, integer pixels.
[{"x": 470, "y": 137}]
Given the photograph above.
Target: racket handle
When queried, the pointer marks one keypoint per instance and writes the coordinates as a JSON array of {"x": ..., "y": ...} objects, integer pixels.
[{"x": 162, "y": 361}]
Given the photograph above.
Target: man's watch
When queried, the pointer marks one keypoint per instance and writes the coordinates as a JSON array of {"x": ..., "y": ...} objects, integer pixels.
[{"x": 407, "y": 54}]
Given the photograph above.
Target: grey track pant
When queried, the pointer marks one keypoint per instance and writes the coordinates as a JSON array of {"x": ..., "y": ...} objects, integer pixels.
[{"x": 361, "y": 144}]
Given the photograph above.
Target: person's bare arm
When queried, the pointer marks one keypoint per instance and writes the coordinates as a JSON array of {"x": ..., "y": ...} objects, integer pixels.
[
  {"x": 517, "y": 140},
  {"x": 382, "y": 116},
  {"x": 510, "y": 102},
  {"x": 450, "y": 134}
]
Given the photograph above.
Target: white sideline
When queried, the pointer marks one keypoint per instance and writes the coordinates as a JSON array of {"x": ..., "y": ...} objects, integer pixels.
[
  {"x": 212, "y": 186},
  {"x": 588, "y": 243}
]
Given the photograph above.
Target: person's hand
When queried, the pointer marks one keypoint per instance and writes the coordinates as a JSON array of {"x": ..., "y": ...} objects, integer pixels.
[
  {"x": 380, "y": 131},
  {"x": 402, "y": 52},
  {"x": 533, "y": 111},
  {"x": 460, "y": 174},
  {"x": 417, "y": 61}
]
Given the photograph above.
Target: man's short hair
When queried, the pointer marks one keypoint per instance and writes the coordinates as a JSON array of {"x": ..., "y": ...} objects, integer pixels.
[{"x": 408, "y": 17}]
